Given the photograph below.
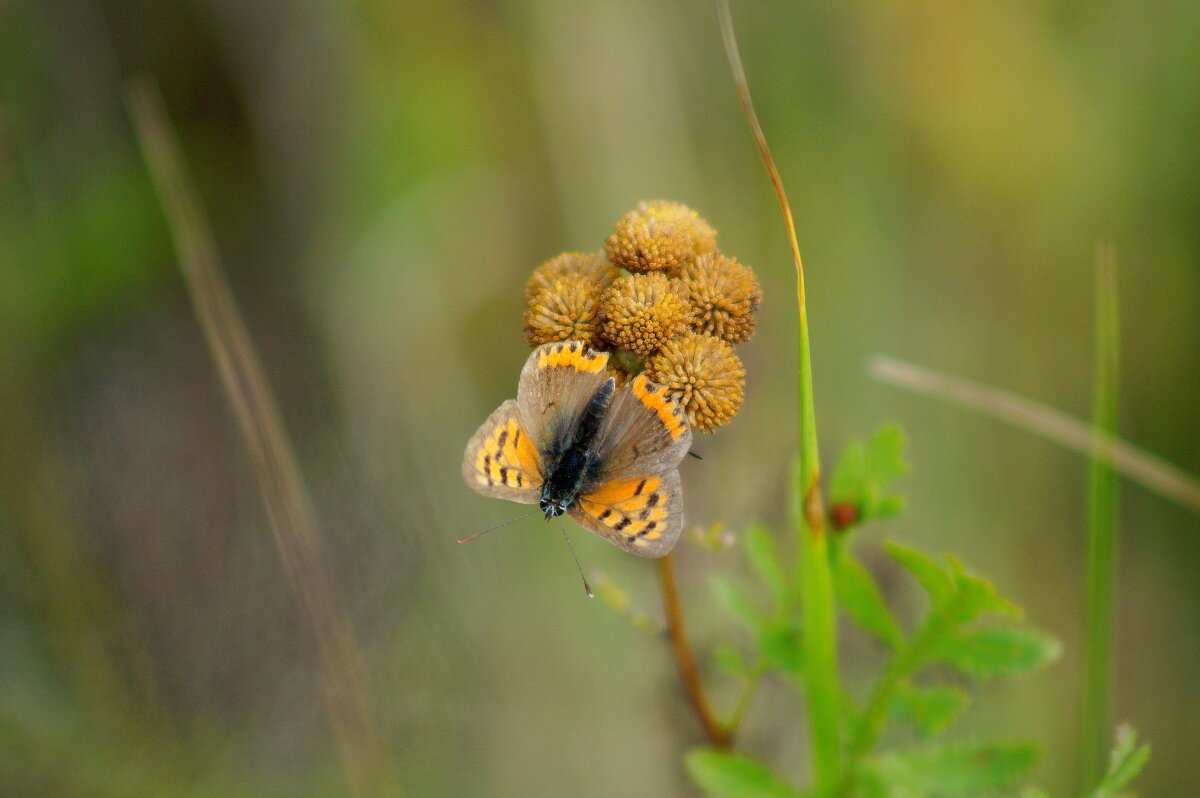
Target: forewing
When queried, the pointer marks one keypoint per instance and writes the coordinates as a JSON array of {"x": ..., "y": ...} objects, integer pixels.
[
  {"x": 556, "y": 383},
  {"x": 644, "y": 432},
  {"x": 643, "y": 515},
  {"x": 502, "y": 460}
]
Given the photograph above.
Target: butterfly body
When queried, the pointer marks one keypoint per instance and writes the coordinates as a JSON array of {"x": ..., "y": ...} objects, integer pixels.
[
  {"x": 573, "y": 443},
  {"x": 572, "y": 468}
]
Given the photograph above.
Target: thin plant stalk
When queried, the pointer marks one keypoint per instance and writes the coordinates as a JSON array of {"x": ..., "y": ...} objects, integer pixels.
[
  {"x": 816, "y": 583},
  {"x": 291, "y": 515},
  {"x": 718, "y": 735},
  {"x": 1102, "y": 529},
  {"x": 1139, "y": 465}
]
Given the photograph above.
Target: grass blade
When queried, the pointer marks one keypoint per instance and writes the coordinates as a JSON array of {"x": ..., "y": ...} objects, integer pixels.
[
  {"x": 1131, "y": 461},
  {"x": 291, "y": 516},
  {"x": 816, "y": 582}
]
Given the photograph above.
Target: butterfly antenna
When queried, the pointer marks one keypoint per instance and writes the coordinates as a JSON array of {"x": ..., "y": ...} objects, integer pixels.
[
  {"x": 693, "y": 454},
  {"x": 586, "y": 587},
  {"x": 469, "y": 538}
]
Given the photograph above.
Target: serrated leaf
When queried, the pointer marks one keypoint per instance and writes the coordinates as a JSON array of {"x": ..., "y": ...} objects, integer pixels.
[
  {"x": 1124, "y": 764},
  {"x": 760, "y": 549},
  {"x": 936, "y": 581},
  {"x": 849, "y": 475},
  {"x": 885, "y": 455},
  {"x": 729, "y": 659},
  {"x": 957, "y": 769},
  {"x": 931, "y": 710},
  {"x": 888, "y": 507},
  {"x": 780, "y": 646},
  {"x": 723, "y": 775},
  {"x": 737, "y": 603},
  {"x": 860, "y": 597},
  {"x": 977, "y": 595},
  {"x": 994, "y": 651},
  {"x": 863, "y": 474}
]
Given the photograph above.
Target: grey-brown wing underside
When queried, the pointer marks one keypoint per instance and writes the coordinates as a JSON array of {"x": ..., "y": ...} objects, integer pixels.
[{"x": 643, "y": 432}]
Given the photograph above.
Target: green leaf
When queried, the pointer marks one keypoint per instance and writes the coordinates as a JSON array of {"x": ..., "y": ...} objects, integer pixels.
[
  {"x": 931, "y": 710},
  {"x": 781, "y": 647},
  {"x": 888, "y": 507},
  {"x": 864, "y": 473},
  {"x": 860, "y": 597},
  {"x": 994, "y": 651},
  {"x": 885, "y": 455},
  {"x": 977, "y": 596},
  {"x": 729, "y": 659},
  {"x": 737, "y": 603},
  {"x": 957, "y": 769},
  {"x": 849, "y": 475},
  {"x": 1124, "y": 764},
  {"x": 760, "y": 549},
  {"x": 932, "y": 576},
  {"x": 723, "y": 775}
]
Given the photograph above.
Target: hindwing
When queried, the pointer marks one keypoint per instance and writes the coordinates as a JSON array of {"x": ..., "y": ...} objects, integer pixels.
[{"x": 643, "y": 515}]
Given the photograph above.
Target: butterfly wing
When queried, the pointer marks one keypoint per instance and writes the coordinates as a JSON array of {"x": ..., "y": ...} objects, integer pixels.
[
  {"x": 556, "y": 384},
  {"x": 643, "y": 515},
  {"x": 502, "y": 460},
  {"x": 644, "y": 432}
]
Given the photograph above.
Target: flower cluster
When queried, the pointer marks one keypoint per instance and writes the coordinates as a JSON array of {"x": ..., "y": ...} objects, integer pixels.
[{"x": 662, "y": 298}]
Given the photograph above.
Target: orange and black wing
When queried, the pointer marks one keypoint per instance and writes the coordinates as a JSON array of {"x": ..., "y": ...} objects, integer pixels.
[
  {"x": 643, "y": 515},
  {"x": 502, "y": 460}
]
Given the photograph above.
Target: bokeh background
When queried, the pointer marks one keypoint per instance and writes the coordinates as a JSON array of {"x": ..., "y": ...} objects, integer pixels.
[{"x": 381, "y": 176}]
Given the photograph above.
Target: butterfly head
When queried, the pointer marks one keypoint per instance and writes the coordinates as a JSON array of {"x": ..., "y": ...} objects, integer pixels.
[{"x": 551, "y": 507}]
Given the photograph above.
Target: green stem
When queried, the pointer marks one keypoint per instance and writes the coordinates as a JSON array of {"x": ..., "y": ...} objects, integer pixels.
[
  {"x": 1102, "y": 529},
  {"x": 820, "y": 631},
  {"x": 749, "y": 688}
]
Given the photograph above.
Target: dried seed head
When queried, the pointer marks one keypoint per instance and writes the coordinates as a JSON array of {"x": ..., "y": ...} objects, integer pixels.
[
  {"x": 704, "y": 375},
  {"x": 640, "y": 312},
  {"x": 724, "y": 294},
  {"x": 657, "y": 236},
  {"x": 566, "y": 310},
  {"x": 584, "y": 264}
]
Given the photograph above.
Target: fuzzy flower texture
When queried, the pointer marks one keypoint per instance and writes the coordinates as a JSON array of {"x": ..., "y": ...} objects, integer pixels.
[{"x": 661, "y": 298}]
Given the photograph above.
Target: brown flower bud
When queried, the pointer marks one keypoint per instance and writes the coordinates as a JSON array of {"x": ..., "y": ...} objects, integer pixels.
[{"x": 704, "y": 375}]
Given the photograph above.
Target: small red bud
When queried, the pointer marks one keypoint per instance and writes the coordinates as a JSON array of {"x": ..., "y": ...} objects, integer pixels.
[{"x": 843, "y": 515}]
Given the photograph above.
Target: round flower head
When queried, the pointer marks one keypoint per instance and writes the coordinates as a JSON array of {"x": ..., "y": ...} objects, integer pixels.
[
  {"x": 658, "y": 236},
  {"x": 724, "y": 294},
  {"x": 704, "y": 375},
  {"x": 566, "y": 310},
  {"x": 586, "y": 264},
  {"x": 643, "y": 311}
]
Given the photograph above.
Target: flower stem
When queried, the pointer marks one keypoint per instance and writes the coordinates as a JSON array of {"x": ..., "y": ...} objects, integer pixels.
[{"x": 717, "y": 734}]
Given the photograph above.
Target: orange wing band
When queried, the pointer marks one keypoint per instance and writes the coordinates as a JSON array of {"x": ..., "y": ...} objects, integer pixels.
[
  {"x": 669, "y": 412},
  {"x": 572, "y": 355}
]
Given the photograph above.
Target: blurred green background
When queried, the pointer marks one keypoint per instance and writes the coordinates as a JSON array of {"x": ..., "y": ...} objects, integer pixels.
[{"x": 381, "y": 177}]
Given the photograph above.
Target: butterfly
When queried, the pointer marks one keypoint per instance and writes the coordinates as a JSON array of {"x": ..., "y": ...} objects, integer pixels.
[{"x": 573, "y": 443}]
